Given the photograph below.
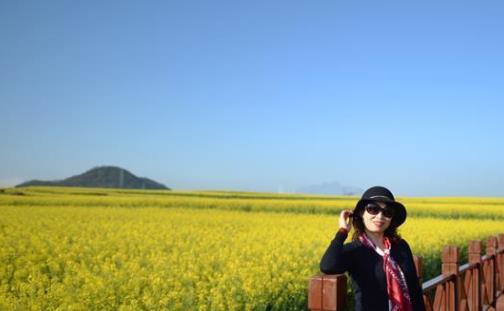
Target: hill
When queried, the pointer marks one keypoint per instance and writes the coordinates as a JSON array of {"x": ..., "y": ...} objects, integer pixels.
[{"x": 101, "y": 177}]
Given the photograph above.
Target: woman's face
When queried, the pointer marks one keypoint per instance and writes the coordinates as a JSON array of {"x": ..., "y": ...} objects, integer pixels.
[{"x": 376, "y": 223}]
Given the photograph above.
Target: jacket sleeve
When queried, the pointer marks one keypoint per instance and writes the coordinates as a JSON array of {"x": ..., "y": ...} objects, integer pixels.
[
  {"x": 336, "y": 259},
  {"x": 415, "y": 288}
]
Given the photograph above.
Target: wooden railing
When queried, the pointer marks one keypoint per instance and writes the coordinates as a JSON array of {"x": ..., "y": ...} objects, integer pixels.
[{"x": 476, "y": 285}]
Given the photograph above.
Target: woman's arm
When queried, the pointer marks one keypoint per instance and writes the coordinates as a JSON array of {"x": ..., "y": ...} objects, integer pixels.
[{"x": 335, "y": 259}]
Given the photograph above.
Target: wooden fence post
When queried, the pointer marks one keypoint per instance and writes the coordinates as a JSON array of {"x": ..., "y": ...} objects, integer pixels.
[
  {"x": 419, "y": 268},
  {"x": 500, "y": 263},
  {"x": 499, "y": 305},
  {"x": 327, "y": 292},
  {"x": 490, "y": 273},
  {"x": 474, "y": 293},
  {"x": 449, "y": 266}
]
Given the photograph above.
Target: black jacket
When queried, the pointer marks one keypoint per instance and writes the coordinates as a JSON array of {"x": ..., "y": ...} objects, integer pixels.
[{"x": 365, "y": 267}]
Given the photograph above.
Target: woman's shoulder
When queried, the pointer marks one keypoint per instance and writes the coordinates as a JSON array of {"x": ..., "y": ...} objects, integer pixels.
[
  {"x": 402, "y": 241},
  {"x": 402, "y": 244},
  {"x": 353, "y": 245}
]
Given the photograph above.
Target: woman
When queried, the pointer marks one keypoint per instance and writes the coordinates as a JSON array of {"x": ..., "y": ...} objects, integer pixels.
[{"x": 379, "y": 262}]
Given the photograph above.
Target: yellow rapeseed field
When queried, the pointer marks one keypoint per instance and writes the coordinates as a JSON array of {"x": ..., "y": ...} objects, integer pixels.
[{"x": 97, "y": 249}]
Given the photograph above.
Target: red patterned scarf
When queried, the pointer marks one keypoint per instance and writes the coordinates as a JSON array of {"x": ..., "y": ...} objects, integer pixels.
[{"x": 397, "y": 289}]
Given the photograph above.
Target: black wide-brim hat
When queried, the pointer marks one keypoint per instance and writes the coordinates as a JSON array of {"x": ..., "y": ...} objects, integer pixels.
[{"x": 382, "y": 194}]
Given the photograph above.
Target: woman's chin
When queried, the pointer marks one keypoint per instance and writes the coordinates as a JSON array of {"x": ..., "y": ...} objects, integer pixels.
[{"x": 376, "y": 229}]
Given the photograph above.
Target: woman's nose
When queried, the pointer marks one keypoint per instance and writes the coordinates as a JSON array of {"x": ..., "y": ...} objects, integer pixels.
[{"x": 380, "y": 213}]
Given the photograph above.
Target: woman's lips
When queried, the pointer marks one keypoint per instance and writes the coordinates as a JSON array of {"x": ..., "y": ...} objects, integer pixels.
[{"x": 378, "y": 223}]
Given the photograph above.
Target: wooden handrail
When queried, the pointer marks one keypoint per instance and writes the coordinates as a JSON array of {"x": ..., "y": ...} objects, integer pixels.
[
  {"x": 440, "y": 279},
  {"x": 475, "y": 285},
  {"x": 468, "y": 266}
]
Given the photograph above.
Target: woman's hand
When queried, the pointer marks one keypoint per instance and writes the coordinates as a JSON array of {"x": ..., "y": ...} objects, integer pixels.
[{"x": 345, "y": 220}]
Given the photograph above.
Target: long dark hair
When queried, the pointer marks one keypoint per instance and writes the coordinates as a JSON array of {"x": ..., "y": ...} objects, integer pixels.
[{"x": 359, "y": 228}]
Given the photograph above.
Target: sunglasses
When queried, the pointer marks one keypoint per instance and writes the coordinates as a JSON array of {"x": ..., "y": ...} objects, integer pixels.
[{"x": 374, "y": 209}]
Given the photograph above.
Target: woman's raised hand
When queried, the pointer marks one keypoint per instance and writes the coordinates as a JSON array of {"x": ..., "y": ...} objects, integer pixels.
[{"x": 345, "y": 220}]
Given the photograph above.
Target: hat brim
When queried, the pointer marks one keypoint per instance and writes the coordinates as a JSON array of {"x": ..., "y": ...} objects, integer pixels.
[{"x": 399, "y": 209}]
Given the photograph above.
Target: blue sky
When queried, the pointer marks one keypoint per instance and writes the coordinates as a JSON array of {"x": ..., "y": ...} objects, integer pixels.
[{"x": 258, "y": 95}]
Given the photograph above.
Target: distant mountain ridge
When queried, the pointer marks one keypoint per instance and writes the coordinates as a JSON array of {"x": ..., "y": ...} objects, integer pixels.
[
  {"x": 101, "y": 177},
  {"x": 330, "y": 188}
]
